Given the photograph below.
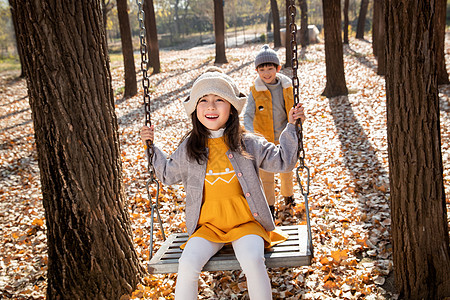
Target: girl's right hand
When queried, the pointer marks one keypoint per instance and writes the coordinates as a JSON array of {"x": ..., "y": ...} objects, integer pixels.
[{"x": 147, "y": 133}]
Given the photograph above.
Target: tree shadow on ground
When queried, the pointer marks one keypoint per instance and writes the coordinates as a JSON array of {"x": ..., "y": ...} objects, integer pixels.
[
  {"x": 368, "y": 173},
  {"x": 14, "y": 101},
  {"x": 5, "y": 129},
  {"x": 359, "y": 154},
  {"x": 14, "y": 113},
  {"x": 360, "y": 158},
  {"x": 360, "y": 57}
]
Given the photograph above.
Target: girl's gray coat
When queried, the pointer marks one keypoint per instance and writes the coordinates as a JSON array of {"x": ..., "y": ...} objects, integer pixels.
[{"x": 267, "y": 156}]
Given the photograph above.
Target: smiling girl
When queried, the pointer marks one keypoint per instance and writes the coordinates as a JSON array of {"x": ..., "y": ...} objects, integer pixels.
[{"x": 218, "y": 164}]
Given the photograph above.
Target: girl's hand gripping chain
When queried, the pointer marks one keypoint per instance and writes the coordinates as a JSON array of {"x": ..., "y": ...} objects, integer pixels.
[
  {"x": 297, "y": 112},
  {"x": 147, "y": 134}
]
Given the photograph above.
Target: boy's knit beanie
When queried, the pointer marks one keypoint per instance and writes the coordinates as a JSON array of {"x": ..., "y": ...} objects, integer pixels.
[
  {"x": 214, "y": 81},
  {"x": 266, "y": 55}
]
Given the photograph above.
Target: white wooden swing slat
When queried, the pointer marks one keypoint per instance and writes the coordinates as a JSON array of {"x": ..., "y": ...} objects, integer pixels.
[{"x": 293, "y": 252}]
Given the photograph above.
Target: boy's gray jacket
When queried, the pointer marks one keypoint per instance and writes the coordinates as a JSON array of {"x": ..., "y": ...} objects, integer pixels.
[{"x": 267, "y": 156}]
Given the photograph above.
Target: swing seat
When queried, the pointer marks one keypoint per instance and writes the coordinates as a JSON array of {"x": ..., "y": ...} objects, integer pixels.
[{"x": 293, "y": 252}]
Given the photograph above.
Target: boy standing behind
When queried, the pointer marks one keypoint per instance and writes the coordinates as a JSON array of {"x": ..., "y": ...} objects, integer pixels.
[{"x": 268, "y": 104}]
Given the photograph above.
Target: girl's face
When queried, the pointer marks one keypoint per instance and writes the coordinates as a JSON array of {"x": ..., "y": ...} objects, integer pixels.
[
  {"x": 268, "y": 73},
  {"x": 213, "y": 111}
]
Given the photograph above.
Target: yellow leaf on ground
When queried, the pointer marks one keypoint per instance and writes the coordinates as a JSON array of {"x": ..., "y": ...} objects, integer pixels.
[
  {"x": 339, "y": 255},
  {"x": 38, "y": 222},
  {"x": 330, "y": 285}
]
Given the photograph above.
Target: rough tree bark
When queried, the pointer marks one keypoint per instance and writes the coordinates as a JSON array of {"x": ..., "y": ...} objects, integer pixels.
[
  {"x": 127, "y": 49},
  {"x": 421, "y": 249},
  {"x": 334, "y": 54},
  {"x": 90, "y": 248},
  {"x": 219, "y": 32}
]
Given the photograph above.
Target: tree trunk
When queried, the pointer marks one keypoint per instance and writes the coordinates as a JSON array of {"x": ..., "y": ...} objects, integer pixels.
[
  {"x": 288, "y": 38},
  {"x": 269, "y": 20},
  {"x": 152, "y": 36},
  {"x": 219, "y": 32},
  {"x": 381, "y": 40},
  {"x": 104, "y": 13},
  {"x": 106, "y": 8},
  {"x": 184, "y": 23},
  {"x": 276, "y": 23},
  {"x": 421, "y": 251},
  {"x": 346, "y": 21},
  {"x": 303, "y": 5},
  {"x": 334, "y": 54},
  {"x": 127, "y": 49},
  {"x": 90, "y": 248},
  {"x": 378, "y": 18},
  {"x": 362, "y": 19},
  {"x": 176, "y": 18},
  {"x": 19, "y": 49},
  {"x": 441, "y": 7}
]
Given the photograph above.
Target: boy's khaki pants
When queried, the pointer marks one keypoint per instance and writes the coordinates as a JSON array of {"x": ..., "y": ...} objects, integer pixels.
[{"x": 268, "y": 182}]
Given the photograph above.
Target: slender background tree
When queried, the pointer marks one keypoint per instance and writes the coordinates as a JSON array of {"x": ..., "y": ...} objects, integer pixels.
[
  {"x": 362, "y": 19},
  {"x": 219, "y": 32},
  {"x": 334, "y": 53},
  {"x": 152, "y": 36},
  {"x": 18, "y": 46},
  {"x": 303, "y": 8},
  {"x": 346, "y": 21},
  {"x": 377, "y": 18},
  {"x": 107, "y": 7},
  {"x": 380, "y": 32},
  {"x": 441, "y": 8},
  {"x": 127, "y": 49},
  {"x": 276, "y": 23}
]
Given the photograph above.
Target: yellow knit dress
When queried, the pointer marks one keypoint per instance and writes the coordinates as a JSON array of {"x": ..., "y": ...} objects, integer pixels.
[{"x": 225, "y": 215}]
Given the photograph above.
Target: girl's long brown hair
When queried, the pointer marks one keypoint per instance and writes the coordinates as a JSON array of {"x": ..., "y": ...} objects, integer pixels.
[{"x": 197, "y": 138}]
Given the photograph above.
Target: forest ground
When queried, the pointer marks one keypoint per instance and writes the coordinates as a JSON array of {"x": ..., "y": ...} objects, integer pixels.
[{"x": 346, "y": 150}]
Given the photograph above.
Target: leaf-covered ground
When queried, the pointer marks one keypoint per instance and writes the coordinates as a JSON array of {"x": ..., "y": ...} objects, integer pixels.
[{"x": 346, "y": 150}]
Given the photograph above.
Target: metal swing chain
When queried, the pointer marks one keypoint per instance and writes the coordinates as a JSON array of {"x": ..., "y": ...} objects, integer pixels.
[
  {"x": 295, "y": 80},
  {"x": 148, "y": 122},
  {"x": 301, "y": 151}
]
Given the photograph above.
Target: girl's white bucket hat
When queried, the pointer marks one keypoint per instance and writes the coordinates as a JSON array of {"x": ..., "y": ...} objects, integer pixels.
[{"x": 214, "y": 81}]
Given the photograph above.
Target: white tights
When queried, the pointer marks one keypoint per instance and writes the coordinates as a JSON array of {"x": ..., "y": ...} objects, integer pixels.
[{"x": 249, "y": 251}]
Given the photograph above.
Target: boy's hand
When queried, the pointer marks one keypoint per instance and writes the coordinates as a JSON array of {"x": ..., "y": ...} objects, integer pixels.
[
  {"x": 147, "y": 133},
  {"x": 297, "y": 112}
]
